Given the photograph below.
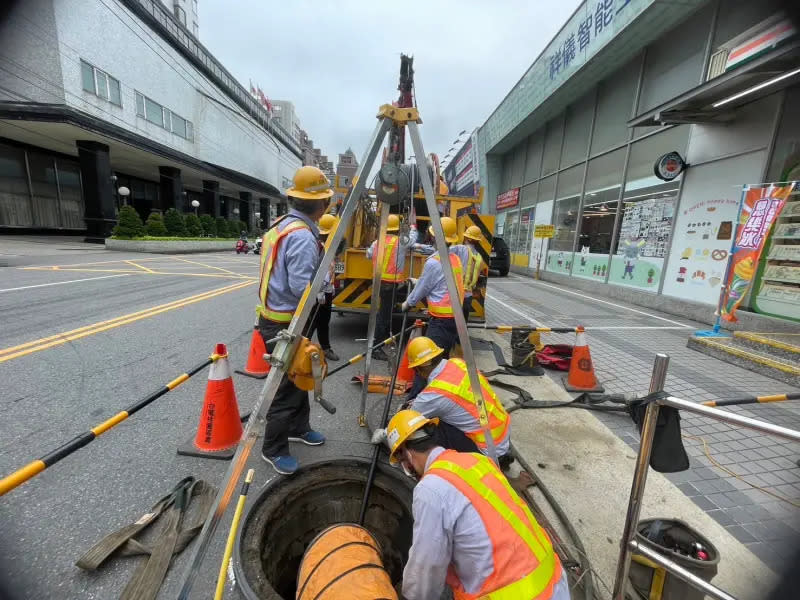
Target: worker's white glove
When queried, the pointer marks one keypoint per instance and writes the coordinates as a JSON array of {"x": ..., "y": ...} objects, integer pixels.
[
  {"x": 321, "y": 298},
  {"x": 413, "y": 281},
  {"x": 379, "y": 437},
  {"x": 404, "y": 306}
]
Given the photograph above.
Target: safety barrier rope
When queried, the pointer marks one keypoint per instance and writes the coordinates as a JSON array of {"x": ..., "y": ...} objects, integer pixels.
[{"x": 33, "y": 468}]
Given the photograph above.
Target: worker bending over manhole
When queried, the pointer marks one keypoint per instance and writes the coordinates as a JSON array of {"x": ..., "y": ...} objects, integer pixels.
[{"x": 472, "y": 532}]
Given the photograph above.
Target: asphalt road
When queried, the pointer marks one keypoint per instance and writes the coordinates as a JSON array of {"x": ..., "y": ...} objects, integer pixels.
[{"x": 85, "y": 333}]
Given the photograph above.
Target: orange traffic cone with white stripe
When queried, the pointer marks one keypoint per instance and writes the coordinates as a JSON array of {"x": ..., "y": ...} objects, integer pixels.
[
  {"x": 256, "y": 367},
  {"x": 220, "y": 427},
  {"x": 581, "y": 377}
]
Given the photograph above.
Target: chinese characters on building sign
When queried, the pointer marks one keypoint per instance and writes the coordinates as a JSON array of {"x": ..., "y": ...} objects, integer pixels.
[
  {"x": 507, "y": 199},
  {"x": 595, "y": 22}
]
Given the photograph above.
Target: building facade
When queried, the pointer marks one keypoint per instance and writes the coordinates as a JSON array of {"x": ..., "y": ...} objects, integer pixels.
[
  {"x": 284, "y": 113},
  {"x": 94, "y": 94},
  {"x": 461, "y": 174},
  {"x": 346, "y": 167},
  {"x": 185, "y": 12},
  {"x": 575, "y": 142}
]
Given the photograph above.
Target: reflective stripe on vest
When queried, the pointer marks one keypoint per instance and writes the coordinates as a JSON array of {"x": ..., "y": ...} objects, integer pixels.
[
  {"x": 444, "y": 308},
  {"x": 474, "y": 265},
  {"x": 389, "y": 273},
  {"x": 525, "y": 565},
  {"x": 269, "y": 253},
  {"x": 453, "y": 383}
]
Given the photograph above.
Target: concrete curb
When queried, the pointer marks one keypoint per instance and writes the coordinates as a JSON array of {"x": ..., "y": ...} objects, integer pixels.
[{"x": 172, "y": 247}]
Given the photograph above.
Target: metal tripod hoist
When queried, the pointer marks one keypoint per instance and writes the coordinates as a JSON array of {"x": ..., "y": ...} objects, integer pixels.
[{"x": 390, "y": 118}]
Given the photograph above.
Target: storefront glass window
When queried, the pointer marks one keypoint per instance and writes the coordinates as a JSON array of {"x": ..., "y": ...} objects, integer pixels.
[
  {"x": 614, "y": 105},
  {"x": 533, "y": 159},
  {"x": 45, "y": 192},
  {"x": 15, "y": 200},
  {"x": 785, "y": 162},
  {"x": 69, "y": 186},
  {"x": 576, "y": 131},
  {"x": 511, "y": 231},
  {"x": 600, "y": 200},
  {"x": 565, "y": 219},
  {"x": 552, "y": 144}
]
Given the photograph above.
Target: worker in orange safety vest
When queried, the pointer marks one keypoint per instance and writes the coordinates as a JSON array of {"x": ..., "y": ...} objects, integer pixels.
[{"x": 472, "y": 532}]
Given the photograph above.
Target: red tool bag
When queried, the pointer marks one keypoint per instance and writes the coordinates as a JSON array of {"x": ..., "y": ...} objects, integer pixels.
[{"x": 555, "y": 356}]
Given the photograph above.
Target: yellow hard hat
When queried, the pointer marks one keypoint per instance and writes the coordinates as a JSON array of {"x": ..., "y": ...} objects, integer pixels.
[
  {"x": 422, "y": 349},
  {"x": 310, "y": 183},
  {"x": 473, "y": 232},
  {"x": 402, "y": 427},
  {"x": 450, "y": 230},
  {"x": 393, "y": 224},
  {"x": 326, "y": 223}
]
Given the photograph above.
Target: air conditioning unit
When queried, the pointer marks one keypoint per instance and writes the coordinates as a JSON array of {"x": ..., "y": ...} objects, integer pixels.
[{"x": 716, "y": 66}]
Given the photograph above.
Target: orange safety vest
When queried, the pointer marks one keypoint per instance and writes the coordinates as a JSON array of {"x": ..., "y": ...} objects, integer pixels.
[
  {"x": 269, "y": 253},
  {"x": 444, "y": 308},
  {"x": 525, "y": 565},
  {"x": 453, "y": 383},
  {"x": 389, "y": 273},
  {"x": 474, "y": 266}
]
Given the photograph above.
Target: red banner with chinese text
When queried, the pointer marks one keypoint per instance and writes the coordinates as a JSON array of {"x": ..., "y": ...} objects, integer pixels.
[
  {"x": 760, "y": 207},
  {"x": 507, "y": 199}
]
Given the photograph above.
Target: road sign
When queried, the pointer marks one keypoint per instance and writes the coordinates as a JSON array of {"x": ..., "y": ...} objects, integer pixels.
[{"x": 544, "y": 231}]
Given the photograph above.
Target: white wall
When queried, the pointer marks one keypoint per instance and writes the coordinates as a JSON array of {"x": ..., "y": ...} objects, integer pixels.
[{"x": 130, "y": 51}]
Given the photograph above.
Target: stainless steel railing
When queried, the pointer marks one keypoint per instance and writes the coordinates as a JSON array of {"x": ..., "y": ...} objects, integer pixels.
[{"x": 629, "y": 542}]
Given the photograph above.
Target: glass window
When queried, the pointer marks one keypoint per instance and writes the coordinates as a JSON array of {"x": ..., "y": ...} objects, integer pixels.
[
  {"x": 614, "y": 105},
  {"x": 102, "y": 84},
  {"x": 87, "y": 76},
  {"x": 505, "y": 180},
  {"x": 114, "y": 95},
  {"x": 565, "y": 216},
  {"x": 45, "y": 191},
  {"x": 533, "y": 159},
  {"x": 179, "y": 125},
  {"x": 69, "y": 186},
  {"x": 552, "y": 144},
  {"x": 785, "y": 162},
  {"x": 139, "y": 104},
  {"x": 518, "y": 165},
  {"x": 527, "y": 194},
  {"x": 153, "y": 112},
  {"x": 547, "y": 189},
  {"x": 600, "y": 200},
  {"x": 576, "y": 130},
  {"x": 569, "y": 182},
  {"x": 15, "y": 199}
]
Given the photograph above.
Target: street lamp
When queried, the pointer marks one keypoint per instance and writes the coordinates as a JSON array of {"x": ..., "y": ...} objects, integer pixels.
[
  {"x": 124, "y": 193},
  {"x": 196, "y": 205}
]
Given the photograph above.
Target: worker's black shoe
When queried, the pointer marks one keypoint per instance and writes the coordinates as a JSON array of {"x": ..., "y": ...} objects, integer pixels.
[
  {"x": 379, "y": 354},
  {"x": 330, "y": 354},
  {"x": 505, "y": 461}
]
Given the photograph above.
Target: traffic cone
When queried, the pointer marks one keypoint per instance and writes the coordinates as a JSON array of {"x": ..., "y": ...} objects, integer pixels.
[
  {"x": 256, "y": 366},
  {"x": 220, "y": 427},
  {"x": 581, "y": 377}
]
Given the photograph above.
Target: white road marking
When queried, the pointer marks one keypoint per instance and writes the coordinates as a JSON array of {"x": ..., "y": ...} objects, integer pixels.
[
  {"x": 28, "y": 287},
  {"x": 641, "y": 312},
  {"x": 511, "y": 308}
]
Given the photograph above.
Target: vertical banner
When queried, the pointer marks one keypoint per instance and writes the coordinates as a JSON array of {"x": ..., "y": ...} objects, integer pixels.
[{"x": 760, "y": 208}]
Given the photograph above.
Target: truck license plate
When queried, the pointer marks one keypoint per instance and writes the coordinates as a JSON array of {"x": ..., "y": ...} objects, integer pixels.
[{"x": 338, "y": 267}]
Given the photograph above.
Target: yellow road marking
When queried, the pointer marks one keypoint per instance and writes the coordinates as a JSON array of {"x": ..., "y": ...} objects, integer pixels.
[
  {"x": 81, "y": 332},
  {"x": 130, "y": 262},
  {"x": 148, "y": 272},
  {"x": 194, "y": 262},
  {"x": 101, "y": 262}
]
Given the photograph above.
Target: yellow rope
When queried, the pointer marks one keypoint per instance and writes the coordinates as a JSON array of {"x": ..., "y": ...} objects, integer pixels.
[{"x": 737, "y": 476}]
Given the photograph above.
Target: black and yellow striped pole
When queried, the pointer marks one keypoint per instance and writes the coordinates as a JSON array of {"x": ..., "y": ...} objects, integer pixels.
[
  {"x": 33, "y": 468},
  {"x": 754, "y": 400},
  {"x": 360, "y": 357}
]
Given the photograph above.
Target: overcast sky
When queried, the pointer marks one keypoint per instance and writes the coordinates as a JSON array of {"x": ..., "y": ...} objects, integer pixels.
[{"x": 338, "y": 61}]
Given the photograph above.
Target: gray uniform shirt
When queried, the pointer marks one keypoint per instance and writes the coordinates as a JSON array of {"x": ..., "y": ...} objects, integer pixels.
[
  {"x": 434, "y": 404},
  {"x": 295, "y": 265}
]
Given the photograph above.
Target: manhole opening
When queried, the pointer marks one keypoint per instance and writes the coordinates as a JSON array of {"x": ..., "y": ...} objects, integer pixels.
[{"x": 290, "y": 512}]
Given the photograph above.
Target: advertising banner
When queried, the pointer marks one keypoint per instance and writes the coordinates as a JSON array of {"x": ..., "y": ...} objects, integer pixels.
[
  {"x": 507, "y": 199},
  {"x": 760, "y": 207},
  {"x": 544, "y": 231}
]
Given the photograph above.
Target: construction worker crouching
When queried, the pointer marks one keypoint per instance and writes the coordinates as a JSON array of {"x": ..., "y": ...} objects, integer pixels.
[
  {"x": 392, "y": 269},
  {"x": 448, "y": 396},
  {"x": 290, "y": 255},
  {"x": 473, "y": 264},
  {"x": 433, "y": 287},
  {"x": 472, "y": 532}
]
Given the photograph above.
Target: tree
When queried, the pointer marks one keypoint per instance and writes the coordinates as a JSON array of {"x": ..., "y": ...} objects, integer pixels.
[
  {"x": 174, "y": 222},
  {"x": 155, "y": 225},
  {"x": 194, "y": 227},
  {"x": 129, "y": 224},
  {"x": 222, "y": 227},
  {"x": 208, "y": 224}
]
